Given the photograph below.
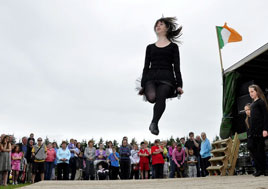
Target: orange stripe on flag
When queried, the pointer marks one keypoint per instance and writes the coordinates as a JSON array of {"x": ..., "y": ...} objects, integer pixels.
[{"x": 235, "y": 36}]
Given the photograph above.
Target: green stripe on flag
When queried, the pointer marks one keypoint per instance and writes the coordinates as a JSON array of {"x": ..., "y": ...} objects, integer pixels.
[{"x": 221, "y": 42}]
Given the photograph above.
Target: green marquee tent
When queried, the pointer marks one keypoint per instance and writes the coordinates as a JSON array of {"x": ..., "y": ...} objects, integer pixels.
[{"x": 251, "y": 69}]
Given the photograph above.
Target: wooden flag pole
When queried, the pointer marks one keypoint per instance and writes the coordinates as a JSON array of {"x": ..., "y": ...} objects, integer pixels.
[{"x": 222, "y": 70}]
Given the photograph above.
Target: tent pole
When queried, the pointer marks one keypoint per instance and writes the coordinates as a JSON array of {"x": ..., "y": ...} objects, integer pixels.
[{"x": 222, "y": 70}]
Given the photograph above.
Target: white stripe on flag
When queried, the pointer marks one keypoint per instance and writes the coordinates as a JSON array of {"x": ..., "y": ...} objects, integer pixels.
[{"x": 225, "y": 35}]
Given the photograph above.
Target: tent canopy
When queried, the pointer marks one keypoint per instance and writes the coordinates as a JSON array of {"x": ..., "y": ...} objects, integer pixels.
[{"x": 255, "y": 59}]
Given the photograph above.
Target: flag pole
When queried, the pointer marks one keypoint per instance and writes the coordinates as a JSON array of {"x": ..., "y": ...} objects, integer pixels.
[{"x": 222, "y": 70}]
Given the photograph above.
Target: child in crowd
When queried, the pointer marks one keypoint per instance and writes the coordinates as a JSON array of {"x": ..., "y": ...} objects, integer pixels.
[
  {"x": 192, "y": 161},
  {"x": 146, "y": 144},
  {"x": 114, "y": 163},
  {"x": 157, "y": 159},
  {"x": 102, "y": 172},
  {"x": 144, "y": 161},
  {"x": 135, "y": 160},
  {"x": 165, "y": 156},
  {"x": 16, "y": 157},
  {"x": 23, "y": 168}
]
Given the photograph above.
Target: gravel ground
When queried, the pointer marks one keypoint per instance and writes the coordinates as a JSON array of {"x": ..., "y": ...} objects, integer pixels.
[{"x": 215, "y": 182}]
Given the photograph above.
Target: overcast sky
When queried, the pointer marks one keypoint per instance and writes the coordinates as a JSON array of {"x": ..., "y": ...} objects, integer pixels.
[{"x": 68, "y": 68}]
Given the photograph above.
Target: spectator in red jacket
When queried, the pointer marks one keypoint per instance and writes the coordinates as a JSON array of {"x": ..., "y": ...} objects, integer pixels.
[
  {"x": 157, "y": 159},
  {"x": 144, "y": 161}
]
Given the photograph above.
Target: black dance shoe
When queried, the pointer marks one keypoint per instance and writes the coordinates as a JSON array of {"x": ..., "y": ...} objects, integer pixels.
[
  {"x": 154, "y": 128},
  {"x": 258, "y": 173}
]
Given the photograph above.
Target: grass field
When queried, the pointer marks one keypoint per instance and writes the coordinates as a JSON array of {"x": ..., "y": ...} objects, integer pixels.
[{"x": 13, "y": 186}]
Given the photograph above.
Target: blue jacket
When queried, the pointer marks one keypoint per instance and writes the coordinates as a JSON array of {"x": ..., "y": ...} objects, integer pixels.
[
  {"x": 61, "y": 154},
  {"x": 114, "y": 162},
  {"x": 205, "y": 149}
]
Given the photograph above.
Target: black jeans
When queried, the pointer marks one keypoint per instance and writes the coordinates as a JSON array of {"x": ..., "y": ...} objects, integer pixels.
[
  {"x": 181, "y": 171},
  {"x": 90, "y": 170},
  {"x": 158, "y": 170},
  {"x": 204, "y": 165},
  {"x": 134, "y": 172},
  {"x": 198, "y": 165},
  {"x": 114, "y": 172},
  {"x": 124, "y": 166},
  {"x": 258, "y": 153},
  {"x": 63, "y": 168},
  {"x": 73, "y": 167}
]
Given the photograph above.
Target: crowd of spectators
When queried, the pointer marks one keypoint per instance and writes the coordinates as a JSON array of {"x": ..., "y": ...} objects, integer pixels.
[{"x": 34, "y": 160}]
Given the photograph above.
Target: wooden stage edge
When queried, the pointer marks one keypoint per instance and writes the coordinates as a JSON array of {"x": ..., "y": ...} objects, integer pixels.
[{"x": 211, "y": 182}]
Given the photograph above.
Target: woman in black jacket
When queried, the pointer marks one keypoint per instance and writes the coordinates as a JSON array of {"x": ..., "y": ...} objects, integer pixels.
[
  {"x": 161, "y": 78},
  {"x": 258, "y": 128}
]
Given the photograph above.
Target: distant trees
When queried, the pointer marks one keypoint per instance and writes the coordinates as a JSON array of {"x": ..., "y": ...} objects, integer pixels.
[
  {"x": 133, "y": 141},
  {"x": 46, "y": 141}
]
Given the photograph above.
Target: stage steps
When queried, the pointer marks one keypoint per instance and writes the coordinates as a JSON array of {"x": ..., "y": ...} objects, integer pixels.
[{"x": 224, "y": 156}]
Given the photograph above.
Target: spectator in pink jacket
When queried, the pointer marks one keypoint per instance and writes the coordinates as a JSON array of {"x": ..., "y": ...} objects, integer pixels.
[
  {"x": 51, "y": 156},
  {"x": 16, "y": 157},
  {"x": 178, "y": 156},
  {"x": 172, "y": 164}
]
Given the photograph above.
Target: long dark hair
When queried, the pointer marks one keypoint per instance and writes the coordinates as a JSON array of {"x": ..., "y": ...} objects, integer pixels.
[
  {"x": 14, "y": 149},
  {"x": 259, "y": 93},
  {"x": 3, "y": 141},
  {"x": 174, "y": 31}
]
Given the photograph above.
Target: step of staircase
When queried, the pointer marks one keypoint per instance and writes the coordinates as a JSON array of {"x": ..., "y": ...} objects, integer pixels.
[
  {"x": 220, "y": 158},
  {"x": 218, "y": 150},
  {"x": 215, "y": 168},
  {"x": 225, "y": 141}
]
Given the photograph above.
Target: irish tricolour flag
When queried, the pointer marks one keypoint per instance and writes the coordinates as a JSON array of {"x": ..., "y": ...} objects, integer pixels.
[{"x": 227, "y": 35}]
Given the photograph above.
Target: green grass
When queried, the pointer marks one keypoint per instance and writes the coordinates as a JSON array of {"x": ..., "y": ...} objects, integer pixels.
[{"x": 14, "y": 186}]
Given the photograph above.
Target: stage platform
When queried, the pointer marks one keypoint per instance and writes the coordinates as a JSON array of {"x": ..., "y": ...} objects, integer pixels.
[{"x": 213, "y": 182}]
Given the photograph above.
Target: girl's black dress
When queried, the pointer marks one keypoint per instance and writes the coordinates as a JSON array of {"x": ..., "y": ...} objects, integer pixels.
[
  {"x": 160, "y": 79},
  {"x": 162, "y": 64},
  {"x": 258, "y": 122}
]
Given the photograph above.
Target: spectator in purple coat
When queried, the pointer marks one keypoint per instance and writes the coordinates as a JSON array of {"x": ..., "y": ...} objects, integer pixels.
[{"x": 101, "y": 153}]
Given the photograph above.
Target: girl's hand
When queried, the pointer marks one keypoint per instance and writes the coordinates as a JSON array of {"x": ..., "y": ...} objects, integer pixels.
[
  {"x": 264, "y": 133},
  {"x": 179, "y": 89},
  {"x": 179, "y": 166}
]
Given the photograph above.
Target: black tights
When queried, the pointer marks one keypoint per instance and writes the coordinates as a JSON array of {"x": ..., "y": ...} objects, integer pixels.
[{"x": 157, "y": 93}]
